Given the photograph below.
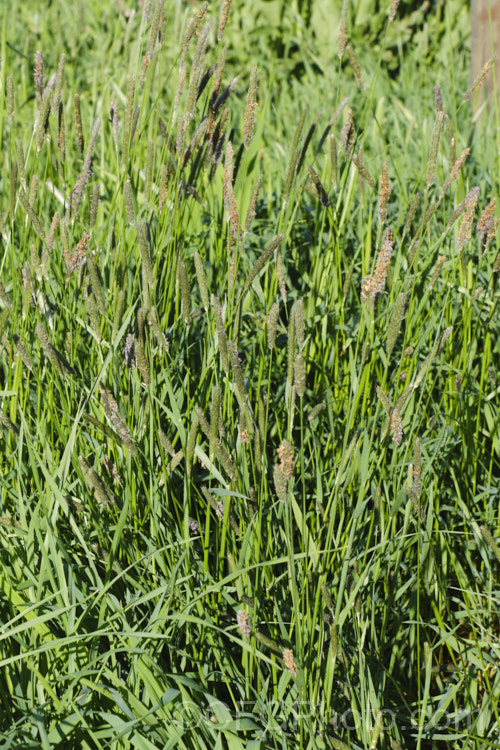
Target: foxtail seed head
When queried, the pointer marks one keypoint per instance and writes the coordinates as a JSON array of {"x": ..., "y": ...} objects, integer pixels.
[
  {"x": 384, "y": 193},
  {"x": 272, "y": 324},
  {"x": 396, "y": 427},
  {"x": 300, "y": 375},
  {"x": 289, "y": 661},
  {"x": 243, "y": 620},
  {"x": 249, "y": 118},
  {"x": 280, "y": 483}
]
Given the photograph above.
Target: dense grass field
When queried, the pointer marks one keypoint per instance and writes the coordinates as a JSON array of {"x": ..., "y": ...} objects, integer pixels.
[{"x": 250, "y": 376}]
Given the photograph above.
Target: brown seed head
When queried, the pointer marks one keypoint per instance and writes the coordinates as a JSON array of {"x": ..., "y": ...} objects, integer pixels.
[
  {"x": 243, "y": 620},
  {"x": 38, "y": 75},
  {"x": 384, "y": 193},
  {"x": 438, "y": 98},
  {"x": 289, "y": 661},
  {"x": 487, "y": 222},
  {"x": 347, "y": 134},
  {"x": 393, "y": 10},
  {"x": 285, "y": 455},
  {"x": 470, "y": 203}
]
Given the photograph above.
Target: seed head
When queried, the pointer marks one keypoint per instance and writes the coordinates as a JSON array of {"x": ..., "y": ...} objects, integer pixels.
[
  {"x": 249, "y": 119},
  {"x": 347, "y": 134},
  {"x": 436, "y": 140},
  {"x": 373, "y": 285},
  {"x": 470, "y": 203},
  {"x": 438, "y": 98},
  {"x": 479, "y": 80},
  {"x": 253, "y": 201},
  {"x": 384, "y": 193},
  {"x": 341, "y": 37},
  {"x": 356, "y": 67},
  {"x": 289, "y": 661},
  {"x": 393, "y": 10},
  {"x": 487, "y": 223},
  {"x": 223, "y": 19},
  {"x": 38, "y": 75},
  {"x": 280, "y": 483},
  {"x": 10, "y": 99},
  {"x": 299, "y": 321},
  {"x": 285, "y": 455},
  {"x": 300, "y": 375},
  {"x": 272, "y": 324},
  {"x": 243, "y": 620},
  {"x": 396, "y": 427}
]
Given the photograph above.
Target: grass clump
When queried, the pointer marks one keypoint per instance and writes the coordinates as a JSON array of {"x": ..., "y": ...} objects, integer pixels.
[{"x": 250, "y": 405}]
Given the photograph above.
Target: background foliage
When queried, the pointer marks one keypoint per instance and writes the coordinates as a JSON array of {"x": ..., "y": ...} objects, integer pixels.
[{"x": 250, "y": 443}]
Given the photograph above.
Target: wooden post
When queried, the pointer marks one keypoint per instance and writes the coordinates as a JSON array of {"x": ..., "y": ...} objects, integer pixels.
[{"x": 485, "y": 41}]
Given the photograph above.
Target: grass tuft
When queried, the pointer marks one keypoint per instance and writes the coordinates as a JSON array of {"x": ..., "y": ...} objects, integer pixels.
[{"x": 249, "y": 413}]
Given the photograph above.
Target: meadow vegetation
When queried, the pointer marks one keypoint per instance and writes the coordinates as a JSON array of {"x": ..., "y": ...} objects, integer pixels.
[{"x": 250, "y": 444}]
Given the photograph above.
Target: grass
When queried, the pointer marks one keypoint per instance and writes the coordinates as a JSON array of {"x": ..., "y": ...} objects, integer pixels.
[{"x": 250, "y": 442}]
